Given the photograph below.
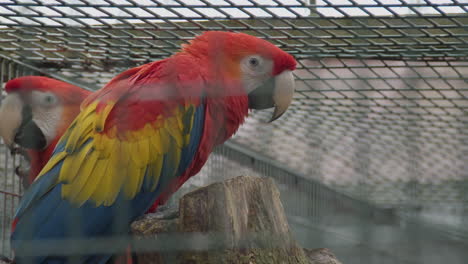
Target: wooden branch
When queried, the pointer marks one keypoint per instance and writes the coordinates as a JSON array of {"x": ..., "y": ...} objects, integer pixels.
[{"x": 243, "y": 214}]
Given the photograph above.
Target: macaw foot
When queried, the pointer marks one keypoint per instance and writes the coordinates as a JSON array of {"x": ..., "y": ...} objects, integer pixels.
[
  {"x": 23, "y": 174},
  {"x": 15, "y": 150},
  {"x": 19, "y": 151},
  {"x": 167, "y": 212},
  {"x": 23, "y": 170}
]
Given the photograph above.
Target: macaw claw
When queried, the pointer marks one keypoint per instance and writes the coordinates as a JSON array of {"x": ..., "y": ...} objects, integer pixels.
[{"x": 14, "y": 151}]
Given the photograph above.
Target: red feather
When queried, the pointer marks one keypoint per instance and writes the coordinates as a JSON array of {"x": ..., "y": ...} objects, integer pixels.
[{"x": 67, "y": 92}]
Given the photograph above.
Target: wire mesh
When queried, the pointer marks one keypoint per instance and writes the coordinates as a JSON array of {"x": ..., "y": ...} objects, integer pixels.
[
  {"x": 10, "y": 188},
  {"x": 380, "y": 112}
]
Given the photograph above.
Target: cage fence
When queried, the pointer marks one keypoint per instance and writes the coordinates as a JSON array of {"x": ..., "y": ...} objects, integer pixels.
[{"x": 371, "y": 158}]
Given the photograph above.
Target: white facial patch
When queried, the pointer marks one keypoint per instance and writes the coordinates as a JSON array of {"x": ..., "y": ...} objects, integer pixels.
[
  {"x": 10, "y": 117},
  {"x": 47, "y": 112},
  {"x": 255, "y": 71}
]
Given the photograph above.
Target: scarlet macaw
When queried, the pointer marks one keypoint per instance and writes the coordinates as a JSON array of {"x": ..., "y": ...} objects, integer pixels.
[
  {"x": 144, "y": 134},
  {"x": 35, "y": 113}
]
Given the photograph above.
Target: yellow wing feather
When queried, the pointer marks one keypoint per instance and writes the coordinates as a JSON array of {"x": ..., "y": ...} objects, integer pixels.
[
  {"x": 155, "y": 142},
  {"x": 156, "y": 167},
  {"x": 91, "y": 186},
  {"x": 73, "y": 163},
  {"x": 130, "y": 184},
  {"x": 173, "y": 130},
  {"x": 164, "y": 140},
  {"x": 81, "y": 127},
  {"x": 97, "y": 166},
  {"x": 101, "y": 118},
  {"x": 74, "y": 191},
  {"x": 144, "y": 151}
]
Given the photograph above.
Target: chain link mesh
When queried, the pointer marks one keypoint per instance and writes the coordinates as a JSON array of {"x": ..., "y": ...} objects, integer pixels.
[{"x": 380, "y": 112}]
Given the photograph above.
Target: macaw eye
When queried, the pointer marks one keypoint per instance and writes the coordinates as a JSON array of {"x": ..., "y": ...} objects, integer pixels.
[
  {"x": 48, "y": 99},
  {"x": 255, "y": 65},
  {"x": 254, "y": 62},
  {"x": 43, "y": 99}
]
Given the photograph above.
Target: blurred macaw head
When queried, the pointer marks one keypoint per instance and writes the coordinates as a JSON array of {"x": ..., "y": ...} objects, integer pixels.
[{"x": 36, "y": 111}]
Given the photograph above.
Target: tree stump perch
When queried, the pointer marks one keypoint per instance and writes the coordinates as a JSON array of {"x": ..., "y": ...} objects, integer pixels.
[{"x": 246, "y": 217}]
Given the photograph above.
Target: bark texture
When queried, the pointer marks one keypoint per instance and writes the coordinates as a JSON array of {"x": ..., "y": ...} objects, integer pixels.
[{"x": 243, "y": 216}]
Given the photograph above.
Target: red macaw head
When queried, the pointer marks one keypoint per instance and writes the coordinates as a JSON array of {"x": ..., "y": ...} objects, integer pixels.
[
  {"x": 35, "y": 113},
  {"x": 264, "y": 70}
]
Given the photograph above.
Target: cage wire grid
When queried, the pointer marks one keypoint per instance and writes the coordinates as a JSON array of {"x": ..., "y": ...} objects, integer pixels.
[{"x": 379, "y": 118}]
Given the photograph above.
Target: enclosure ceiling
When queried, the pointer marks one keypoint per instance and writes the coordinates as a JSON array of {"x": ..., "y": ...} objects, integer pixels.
[{"x": 381, "y": 87}]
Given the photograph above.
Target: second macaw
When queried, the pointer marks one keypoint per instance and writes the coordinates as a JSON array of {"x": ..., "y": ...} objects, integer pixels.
[
  {"x": 34, "y": 115},
  {"x": 143, "y": 135}
]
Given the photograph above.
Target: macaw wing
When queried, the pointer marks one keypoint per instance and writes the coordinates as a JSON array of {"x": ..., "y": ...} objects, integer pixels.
[{"x": 122, "y": 150}]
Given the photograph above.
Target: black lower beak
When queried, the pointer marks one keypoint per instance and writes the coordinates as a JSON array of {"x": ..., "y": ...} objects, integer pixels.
[
  {"x": 262, "y": 97},
  {"x": 277, "y": 92},
  {"x": 29, "y": 135}
]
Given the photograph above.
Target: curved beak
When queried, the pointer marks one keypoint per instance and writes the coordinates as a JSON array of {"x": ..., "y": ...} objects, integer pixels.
[
  {"x": 17, "y": 125},
  {"x": 10, "y": 118},
  {"x": 276, "y": 92}
]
